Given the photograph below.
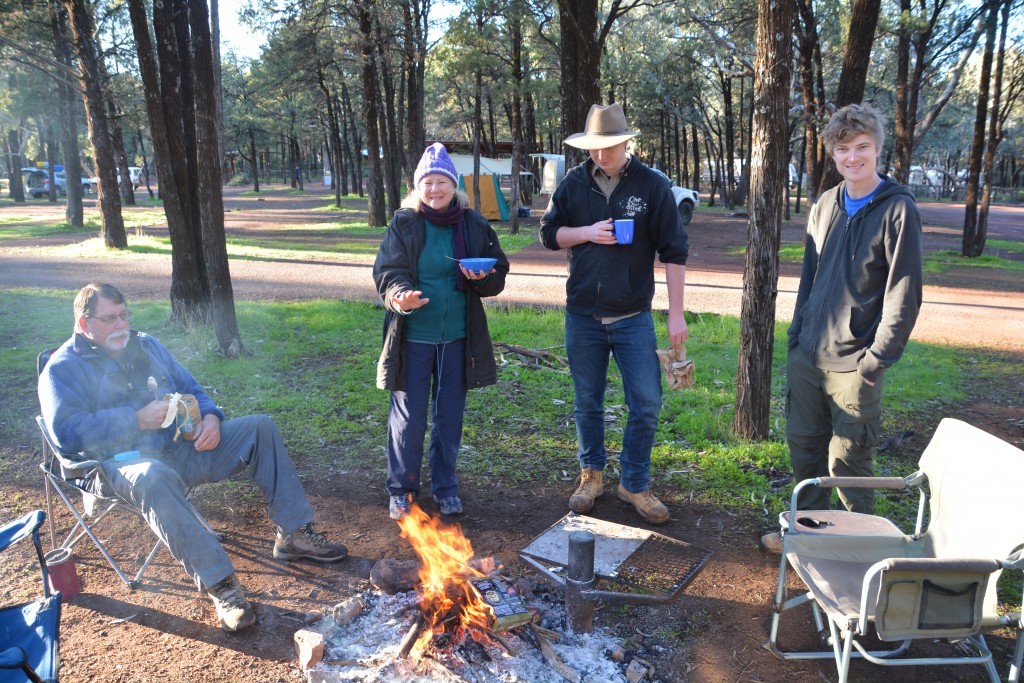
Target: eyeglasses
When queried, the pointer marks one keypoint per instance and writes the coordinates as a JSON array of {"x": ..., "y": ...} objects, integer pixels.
[{"x": 110, "y": 319}]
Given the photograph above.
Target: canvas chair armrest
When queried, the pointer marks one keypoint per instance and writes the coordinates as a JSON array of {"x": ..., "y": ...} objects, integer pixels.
[
  {"x": 850, "y": 482},
  {"x": 924, "y": 567},
  {"x": 12, "y": 658}
]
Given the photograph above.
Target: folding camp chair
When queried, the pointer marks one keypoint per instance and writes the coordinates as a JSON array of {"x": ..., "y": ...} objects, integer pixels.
[
  {"x": 29, "y": 633},
  {"x": 866, "y": 577},
  {"x": 71, "y": 477}
]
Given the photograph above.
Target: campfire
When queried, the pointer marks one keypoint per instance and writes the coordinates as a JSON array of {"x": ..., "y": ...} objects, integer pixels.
[{"x": 460, "y": 599}]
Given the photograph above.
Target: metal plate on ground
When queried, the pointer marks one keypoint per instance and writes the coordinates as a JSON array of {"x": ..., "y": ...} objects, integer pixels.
[
  {"x": 613, "y": 543},
  {"x": 637, "y": 558}
]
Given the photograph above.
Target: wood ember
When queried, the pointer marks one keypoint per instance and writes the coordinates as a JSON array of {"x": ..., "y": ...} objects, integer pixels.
[{"x": 551, "y": 657}]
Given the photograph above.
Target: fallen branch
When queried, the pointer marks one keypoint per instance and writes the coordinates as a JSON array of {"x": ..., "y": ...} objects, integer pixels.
[
  {"x": 563, "y": 669},
  {"x": 538, "y": 355}
]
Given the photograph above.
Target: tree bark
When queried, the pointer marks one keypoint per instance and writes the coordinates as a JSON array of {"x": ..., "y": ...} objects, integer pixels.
[
  {"x": 163, "y": 87},
  {"x": 772, "y": 73},
  {"x": 973, "y": 243},
  {"x": 580, "y": 60},
  {"x": 73, "y": 213},
  {"x": 994, "y": 127},
  {"x": 211, "y": 198},
  {"x": 376, "y": 217},
  {"x": 83, "y": 38},
  {"x": 853, "y": 77}
]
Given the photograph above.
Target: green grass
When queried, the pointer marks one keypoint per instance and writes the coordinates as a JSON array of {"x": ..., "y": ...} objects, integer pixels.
[
  {"x": 941, "y": 262},
  {"x": 312, "y": 366}
]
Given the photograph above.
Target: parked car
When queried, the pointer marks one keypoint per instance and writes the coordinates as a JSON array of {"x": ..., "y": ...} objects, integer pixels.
[
  {"x": 686, "y": 200},
  {"x": 37, "y": 182},
  {"x": 134, "y": 172}
]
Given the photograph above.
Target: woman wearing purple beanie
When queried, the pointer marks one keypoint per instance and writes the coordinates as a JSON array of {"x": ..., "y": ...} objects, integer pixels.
[{"x": 436, "y": 342}]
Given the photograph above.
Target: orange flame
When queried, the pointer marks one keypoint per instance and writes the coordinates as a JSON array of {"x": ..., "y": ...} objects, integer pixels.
[{"x": 447, "y": 600}]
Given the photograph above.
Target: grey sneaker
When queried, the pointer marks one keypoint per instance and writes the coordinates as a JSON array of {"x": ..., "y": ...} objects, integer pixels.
[
  {"x": 233, "y": 610},
  {"x": 400, "y": 506},
  {"x": 449, "y": 506},
  {"x": 305, "y": 543}
]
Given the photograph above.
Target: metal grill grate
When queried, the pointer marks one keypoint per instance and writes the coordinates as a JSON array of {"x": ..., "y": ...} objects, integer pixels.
[{"x": 661, "y": 565}]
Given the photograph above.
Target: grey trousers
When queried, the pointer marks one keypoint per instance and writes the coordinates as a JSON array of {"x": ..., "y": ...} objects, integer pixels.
[
  {"x": 833, "y": 422},
  {"x": 157, "y": 485}
]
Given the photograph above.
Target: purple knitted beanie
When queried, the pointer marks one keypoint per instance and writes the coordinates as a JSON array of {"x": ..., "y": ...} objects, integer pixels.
[{"x": 436, "y": 160}]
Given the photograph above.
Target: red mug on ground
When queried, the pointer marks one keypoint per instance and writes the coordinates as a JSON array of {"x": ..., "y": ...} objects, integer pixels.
[{"x": 624, "y": 231}]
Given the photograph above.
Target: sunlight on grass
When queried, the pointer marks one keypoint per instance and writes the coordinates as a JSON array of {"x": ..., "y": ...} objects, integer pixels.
[
  {"x": 940, "y": 262},
  {"x": 312, "y": 366}
]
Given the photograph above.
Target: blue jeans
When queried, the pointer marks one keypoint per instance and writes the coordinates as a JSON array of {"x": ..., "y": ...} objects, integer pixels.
[
  {"x": 434, "y": 373},
  {"x": 633, "y": 343}
]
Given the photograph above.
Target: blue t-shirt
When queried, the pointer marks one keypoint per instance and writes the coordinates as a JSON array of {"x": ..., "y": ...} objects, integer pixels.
[{"x": 855, "y": 205}]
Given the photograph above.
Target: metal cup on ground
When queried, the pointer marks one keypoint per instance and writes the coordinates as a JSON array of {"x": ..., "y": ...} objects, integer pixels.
[{"x": 62, "y": 575}]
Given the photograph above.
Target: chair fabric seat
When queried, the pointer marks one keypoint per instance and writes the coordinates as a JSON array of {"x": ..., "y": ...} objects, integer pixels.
[{"x": 32, "y": 629}]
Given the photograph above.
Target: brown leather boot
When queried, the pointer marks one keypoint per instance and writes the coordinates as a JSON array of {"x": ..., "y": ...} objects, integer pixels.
[
  {"x": 649, "y": 507},
  {"x": 589, "y": 489}
]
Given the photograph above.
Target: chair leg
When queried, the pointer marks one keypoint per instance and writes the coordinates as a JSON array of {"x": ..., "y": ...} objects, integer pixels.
[{"x": 1018, "y": 655}]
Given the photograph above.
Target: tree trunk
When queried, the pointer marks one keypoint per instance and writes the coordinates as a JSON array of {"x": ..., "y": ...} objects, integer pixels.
[
  {"x": 211, "y": 198},
  {"x": 83, "y": 35},
  {"x": 415, "y": 57},
  {"x": 376, "y": 217},
  {"x": 853, "y": 77},
  {"x": 696, "y": 158},
  {"x": 768, "y": 178},
  {"x": 16, "y": 188},
  {"x": 994, "y": 128},
  {"x": 973, "y": 243},
  {"x": 580, "y": 60},
  {"x": 68, "y": 120},
  {"x": 189, "y": 294},
  {"x": 728, "y": 192},
  {"x": 903, "y": 116}
]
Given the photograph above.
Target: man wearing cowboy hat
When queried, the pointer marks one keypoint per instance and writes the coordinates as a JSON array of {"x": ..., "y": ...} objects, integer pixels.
[{"x": 608, "y": 299}]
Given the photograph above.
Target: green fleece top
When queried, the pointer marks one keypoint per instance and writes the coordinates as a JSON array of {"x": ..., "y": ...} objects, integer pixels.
[{"x": 443, "y": 319}]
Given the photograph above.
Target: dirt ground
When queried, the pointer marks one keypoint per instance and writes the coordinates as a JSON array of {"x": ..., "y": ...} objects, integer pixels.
[{"x": 165, "y": 631}]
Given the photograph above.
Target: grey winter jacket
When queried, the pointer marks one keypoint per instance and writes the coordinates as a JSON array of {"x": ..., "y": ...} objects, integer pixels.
[
  {"x": 860, "y": 288},
  {"x": 395, "y": 271}
]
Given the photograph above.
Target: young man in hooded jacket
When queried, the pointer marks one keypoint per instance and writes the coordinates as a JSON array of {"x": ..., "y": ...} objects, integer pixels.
[{"x": 858, "y": 300}]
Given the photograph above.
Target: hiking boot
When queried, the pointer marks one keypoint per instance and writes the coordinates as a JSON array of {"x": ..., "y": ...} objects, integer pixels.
[
  {"x": 582, "y": 500},
  {"x": 233, "y": 610},
  {"x": 308, "y": 544},
  {"x": 449, "y": 506},
  {"x": 647, "y": 506},
  {"x": 772, "y": 543},
  {"x": 400, "y": 506}
]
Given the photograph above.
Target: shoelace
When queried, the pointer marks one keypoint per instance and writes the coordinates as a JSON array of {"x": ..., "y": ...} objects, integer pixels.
[
  {"x": 230, "y": 595},
  {"x": 315, "y": 537}
]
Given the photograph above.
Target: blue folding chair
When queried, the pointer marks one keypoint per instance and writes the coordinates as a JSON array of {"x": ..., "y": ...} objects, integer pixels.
[{"x": 29, "y": 633}]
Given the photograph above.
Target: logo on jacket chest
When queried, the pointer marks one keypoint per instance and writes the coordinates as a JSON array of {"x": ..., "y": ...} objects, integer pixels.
[{"x": 633, "y": 206}]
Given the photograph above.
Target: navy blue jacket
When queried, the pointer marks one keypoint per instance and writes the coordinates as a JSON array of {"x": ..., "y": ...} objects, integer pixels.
[
  {"x": 89, "y": 400},
  {"x": 615, "y": 279}
]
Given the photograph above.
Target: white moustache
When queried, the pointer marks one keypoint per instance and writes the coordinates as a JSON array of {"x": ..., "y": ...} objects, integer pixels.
[{"x": 116, "y": 336}]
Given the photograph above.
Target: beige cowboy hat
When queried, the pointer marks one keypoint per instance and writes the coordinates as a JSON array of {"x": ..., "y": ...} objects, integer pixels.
[{"x": 606, "y": 127}]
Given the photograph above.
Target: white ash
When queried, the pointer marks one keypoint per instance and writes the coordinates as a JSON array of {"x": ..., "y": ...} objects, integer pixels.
[{"x": 366, "y": 649}]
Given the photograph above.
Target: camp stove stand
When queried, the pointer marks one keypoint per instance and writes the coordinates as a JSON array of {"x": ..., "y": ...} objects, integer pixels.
[{"x": 654, "y": 568}]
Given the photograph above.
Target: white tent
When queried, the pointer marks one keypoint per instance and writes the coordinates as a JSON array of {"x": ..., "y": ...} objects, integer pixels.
[{"x": 499, "y": 167}]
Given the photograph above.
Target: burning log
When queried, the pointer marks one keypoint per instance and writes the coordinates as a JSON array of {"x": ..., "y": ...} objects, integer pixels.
[
  {"x": 413, "y": 635},
  {"x": 399, "y": 576}
]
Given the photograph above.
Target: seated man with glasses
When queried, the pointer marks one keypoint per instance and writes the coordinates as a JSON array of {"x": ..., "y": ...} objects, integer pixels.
[{"x": 102, "y": 394}]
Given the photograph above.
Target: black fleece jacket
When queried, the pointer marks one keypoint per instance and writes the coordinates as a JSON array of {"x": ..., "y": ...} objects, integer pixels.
[
  {"x": 860, "y": 288},
  {"x": 615, "y": 279}
]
